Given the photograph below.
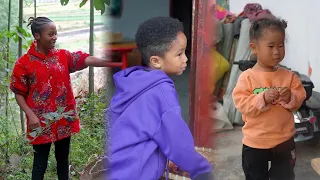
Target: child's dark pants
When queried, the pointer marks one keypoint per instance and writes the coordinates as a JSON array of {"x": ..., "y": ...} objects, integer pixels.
[
  {"x": 282, "y": 157},
  {"x": 40, "y": 160}
]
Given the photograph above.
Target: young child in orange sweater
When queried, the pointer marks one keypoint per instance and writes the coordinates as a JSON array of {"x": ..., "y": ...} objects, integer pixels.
[{"x": 267, "y": 95}]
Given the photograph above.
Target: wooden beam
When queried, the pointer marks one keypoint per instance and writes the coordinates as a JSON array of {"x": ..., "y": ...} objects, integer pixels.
[{"x": 201, "y": 125}]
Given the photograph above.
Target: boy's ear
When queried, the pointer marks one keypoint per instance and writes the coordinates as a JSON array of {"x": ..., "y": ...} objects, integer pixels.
[
  {"x": 253, "y": 48},
  {"x": 156, "y": 62}
]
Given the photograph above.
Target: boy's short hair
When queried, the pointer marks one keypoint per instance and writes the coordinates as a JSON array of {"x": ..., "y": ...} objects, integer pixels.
[{"x": 154, "y": 36}]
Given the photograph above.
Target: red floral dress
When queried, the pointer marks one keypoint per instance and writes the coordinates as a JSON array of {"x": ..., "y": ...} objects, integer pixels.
[{"x": 45, "y": 83}]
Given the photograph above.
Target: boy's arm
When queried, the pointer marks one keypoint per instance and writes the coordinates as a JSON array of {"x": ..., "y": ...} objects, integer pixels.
[
  {"x": 248, "y": 103},
  {"x": 298, "y": 94},
  {"x": 176, "y": 142}
]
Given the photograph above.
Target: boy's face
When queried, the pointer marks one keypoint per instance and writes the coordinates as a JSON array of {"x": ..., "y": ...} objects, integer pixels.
[
  {"x": 269, "y": 49},
  {"x": 174, "y": 60}
]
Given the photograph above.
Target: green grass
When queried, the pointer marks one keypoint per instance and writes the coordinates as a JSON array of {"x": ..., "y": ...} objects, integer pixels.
[{"x": 66, "y": 17}]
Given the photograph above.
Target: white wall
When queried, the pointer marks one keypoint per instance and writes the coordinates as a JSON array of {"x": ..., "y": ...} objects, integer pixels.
[
  {"x": 137, "y": 11},
  {"x": 303, "y": 34}
]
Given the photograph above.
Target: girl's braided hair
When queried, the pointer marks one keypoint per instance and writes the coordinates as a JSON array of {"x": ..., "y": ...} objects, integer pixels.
[{"x": 37, "y": 24}]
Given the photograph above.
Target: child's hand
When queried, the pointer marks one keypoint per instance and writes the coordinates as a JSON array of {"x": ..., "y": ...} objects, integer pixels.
[
  {"x": 285, "y": 95},
  {"x": 33, "y": 121},
  {"x": 271, "y": 95}
]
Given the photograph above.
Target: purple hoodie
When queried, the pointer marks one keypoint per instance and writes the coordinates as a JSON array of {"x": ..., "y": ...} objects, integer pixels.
[{"x": 147, "y": 129}]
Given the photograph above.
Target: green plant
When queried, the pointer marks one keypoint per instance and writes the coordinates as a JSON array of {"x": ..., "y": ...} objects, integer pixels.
[
  {"x": 11, "y": 138},
  {"x": 99, "y": 5},
  {"x": 86, "y": 144}
]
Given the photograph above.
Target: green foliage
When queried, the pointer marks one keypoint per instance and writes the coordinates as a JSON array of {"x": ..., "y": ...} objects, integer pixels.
[
  {"x": 64, "y": 2},
  {"x": 84, "y": 145},
  {"x": 51, "y": 118},
  {"x": 99, "y": 5},
  {"x": 8, "y": 52},
  {"x": 10, "y": 130}
]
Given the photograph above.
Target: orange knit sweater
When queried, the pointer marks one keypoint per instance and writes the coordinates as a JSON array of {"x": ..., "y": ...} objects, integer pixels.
[{"x": 267, "y": 125}]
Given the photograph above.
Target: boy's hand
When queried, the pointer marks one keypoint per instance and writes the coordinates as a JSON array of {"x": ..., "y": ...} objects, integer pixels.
[
  {"x": 285, "y": 95},
  {"x": 271, "y": 95},
  {"x": 33, "y": 121}
]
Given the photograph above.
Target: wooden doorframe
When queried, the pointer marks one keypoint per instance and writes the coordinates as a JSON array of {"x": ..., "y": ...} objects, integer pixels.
[{"x": 200, "y": 123}]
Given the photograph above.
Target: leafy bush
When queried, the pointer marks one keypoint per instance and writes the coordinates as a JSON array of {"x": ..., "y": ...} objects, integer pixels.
[{"x": 85, "y": 145}]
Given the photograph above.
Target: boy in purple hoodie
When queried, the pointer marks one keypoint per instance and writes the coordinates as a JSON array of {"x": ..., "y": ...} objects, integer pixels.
[{"x": 147, "y": 129}]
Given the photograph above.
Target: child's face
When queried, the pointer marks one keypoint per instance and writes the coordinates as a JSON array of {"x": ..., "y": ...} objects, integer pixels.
[
  {"x": 48, "y": 37},
  {"x": 175, "y": 60},
  {"x": 269, "y": 49}
]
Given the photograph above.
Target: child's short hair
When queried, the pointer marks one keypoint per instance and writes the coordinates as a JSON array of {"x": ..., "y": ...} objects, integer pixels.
[
  {"x": 258, "y": 26},
  {"x": 154, "y": 36}
]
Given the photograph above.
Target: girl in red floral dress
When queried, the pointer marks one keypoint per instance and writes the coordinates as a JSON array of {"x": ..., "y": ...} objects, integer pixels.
[{"x": 42, "y": 87}]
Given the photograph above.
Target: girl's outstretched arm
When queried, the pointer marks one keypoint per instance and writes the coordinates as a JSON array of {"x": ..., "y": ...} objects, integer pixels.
[
  {"x": 96, "y": 62},
  {"x": 80, "y": 60}
]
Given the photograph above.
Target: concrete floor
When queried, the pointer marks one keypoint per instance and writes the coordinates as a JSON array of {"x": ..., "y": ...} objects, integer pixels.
[{"x": 227, "y": 157}]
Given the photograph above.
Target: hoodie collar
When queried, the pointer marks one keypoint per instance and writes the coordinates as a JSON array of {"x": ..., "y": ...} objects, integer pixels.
[{"x": 35, "y": 52}]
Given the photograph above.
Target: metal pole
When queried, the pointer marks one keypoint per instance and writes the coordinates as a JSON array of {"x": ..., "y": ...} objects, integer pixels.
[
  {"x": 91, "y": 48},
  {"x": 7, "y": 57},
  {"x": 35, "y": 8},
  {"x": 20, "y": 54}
]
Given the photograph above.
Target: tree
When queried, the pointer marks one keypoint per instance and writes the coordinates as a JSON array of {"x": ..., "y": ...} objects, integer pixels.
[{"x": 99, "y": 5}]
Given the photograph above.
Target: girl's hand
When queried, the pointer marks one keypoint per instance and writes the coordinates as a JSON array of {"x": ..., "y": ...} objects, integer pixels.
[
  {"x": 271, "y": 95},
  {"x": 33, "y": 121},
  {"x": 285, "y": 95}
]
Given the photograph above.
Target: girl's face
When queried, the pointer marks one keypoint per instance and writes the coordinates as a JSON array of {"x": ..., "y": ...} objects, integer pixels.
[
  {"x": 175, "y": 60},
  {"x": 269, "y": 48},
  {"x": 48, "y": 37}
]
